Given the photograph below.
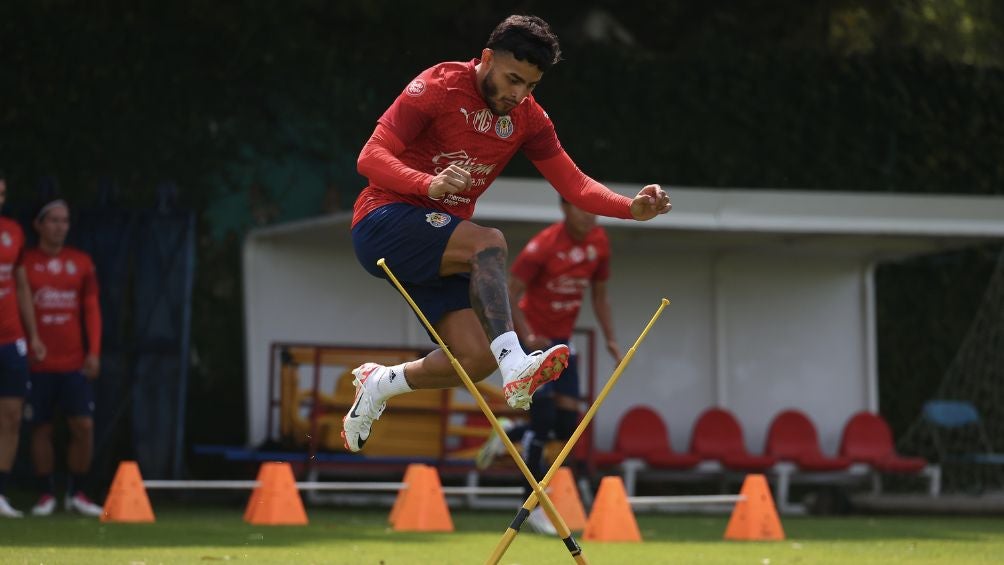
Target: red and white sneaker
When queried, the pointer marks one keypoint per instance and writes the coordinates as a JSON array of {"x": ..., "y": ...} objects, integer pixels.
[
  {"x": 81, "y": 504},
  {"x": 357, "y": 423},
  {"x": 541, "y": 367},
  {"x": 45, "y": 505}
]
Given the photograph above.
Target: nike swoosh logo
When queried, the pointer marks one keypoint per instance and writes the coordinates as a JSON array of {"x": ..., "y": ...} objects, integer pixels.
[{"x": 352, "y": 413}]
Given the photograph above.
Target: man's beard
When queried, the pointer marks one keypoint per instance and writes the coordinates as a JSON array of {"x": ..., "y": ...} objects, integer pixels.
[{"x": 489, "y": 91}]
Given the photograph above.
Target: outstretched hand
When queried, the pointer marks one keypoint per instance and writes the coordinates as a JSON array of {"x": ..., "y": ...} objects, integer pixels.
[{"x": 650, "y": 202}]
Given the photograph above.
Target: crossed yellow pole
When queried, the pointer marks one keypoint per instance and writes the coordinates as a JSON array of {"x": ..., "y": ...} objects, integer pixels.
[
  {"x": 538, "y": 495},
  {"x": 552, "y": 513},
  {"x": 531, "y": 502}
]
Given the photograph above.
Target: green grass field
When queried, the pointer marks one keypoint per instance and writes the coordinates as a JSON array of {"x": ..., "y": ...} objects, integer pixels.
[{"x": 348, "y": 536}]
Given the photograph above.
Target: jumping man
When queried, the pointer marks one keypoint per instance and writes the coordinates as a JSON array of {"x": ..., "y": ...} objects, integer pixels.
[{"x": 433, "y": 153}]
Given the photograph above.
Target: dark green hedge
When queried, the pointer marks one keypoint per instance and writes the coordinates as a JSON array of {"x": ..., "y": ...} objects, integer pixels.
[{"x": 257, "y": 111}]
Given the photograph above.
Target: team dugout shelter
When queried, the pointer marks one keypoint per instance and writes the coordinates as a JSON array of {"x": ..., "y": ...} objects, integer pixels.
[{"x": 773, "y": 297}]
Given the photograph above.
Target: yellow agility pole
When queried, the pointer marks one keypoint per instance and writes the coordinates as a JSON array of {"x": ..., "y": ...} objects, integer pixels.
[
  {"x": 545, "y": 501},
  {"x": 531, "y": 502}
]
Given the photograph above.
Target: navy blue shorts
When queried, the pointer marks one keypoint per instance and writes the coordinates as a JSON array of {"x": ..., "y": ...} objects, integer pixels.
[
  {"x": 568, "y": 383},
  {"x": 72, "y": 392},
  {"x": 14, "y": 369},
  {"x": 412, "y": 241}
]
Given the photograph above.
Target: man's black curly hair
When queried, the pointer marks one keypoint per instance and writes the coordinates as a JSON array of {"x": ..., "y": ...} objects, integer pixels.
[{"x": 529, "y": 39}]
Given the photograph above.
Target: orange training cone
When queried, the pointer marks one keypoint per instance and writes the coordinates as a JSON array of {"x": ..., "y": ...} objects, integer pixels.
[
  {"x": 565, "y": 497},
  {"x": 127, "y": 500},
  {"x": 410, "y": 479},
  {"x": 276, "y": 502},
  {"x": 755, "y": 518},
  {"x": 612, "y": 518},
  {"x": 255, "y": 499},
  {"x": 423, "y": 505}
]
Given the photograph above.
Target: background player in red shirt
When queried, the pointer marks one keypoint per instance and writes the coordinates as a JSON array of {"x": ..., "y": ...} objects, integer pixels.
[
  {"x": 15, "y": 308},
  {"x": 547, "y": 281},
  {"x": 64, "y": 288},
  {"x": 433, "y": 153}
]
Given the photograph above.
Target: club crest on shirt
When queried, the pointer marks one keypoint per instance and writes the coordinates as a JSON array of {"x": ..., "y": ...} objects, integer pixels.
[
  {"x": 482, "y": 120},
  {"x": 437, "y": 219},
  {"x": 5, "y": 239},
  {"x": 504, "y": 127},
  {"x": 416, "y": 88},
  {"x": 71, "y": 267}
]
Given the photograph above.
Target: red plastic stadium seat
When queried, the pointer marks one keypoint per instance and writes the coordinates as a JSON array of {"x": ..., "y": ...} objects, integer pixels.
[
  {"x": 792, "y": 437},
  {"x": 584, "y": 448},
  {"x": 641, "y": 431},
  {"x": 868, "y": 439},
  {"x": 642, "y": 434},
  {"x": 717, "y": 435},
  {"x": 608, "y": 458},
  {"x": 671, "y": 460}
]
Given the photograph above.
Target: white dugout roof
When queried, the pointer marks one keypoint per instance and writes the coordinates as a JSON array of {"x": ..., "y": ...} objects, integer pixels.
[{"x": 773, "y": 300}]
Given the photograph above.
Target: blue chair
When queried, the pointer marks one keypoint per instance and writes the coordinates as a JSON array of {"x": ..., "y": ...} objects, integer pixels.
[{"x": 958, "y": 423}]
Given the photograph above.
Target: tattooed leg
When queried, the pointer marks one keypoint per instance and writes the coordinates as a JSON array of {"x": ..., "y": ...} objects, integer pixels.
[{"x": 489, "y": 295}]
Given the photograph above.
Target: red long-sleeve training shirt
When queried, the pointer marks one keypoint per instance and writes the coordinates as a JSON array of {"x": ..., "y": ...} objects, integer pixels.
[{"x": 441, "y": 119}]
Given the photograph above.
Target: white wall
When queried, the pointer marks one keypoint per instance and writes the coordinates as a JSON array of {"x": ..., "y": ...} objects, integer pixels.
[
  {"x": 672, "y": 370},
  {"x": 791, "y": 335},
  {"x": 754, "y": 331},
  {"x": 771, "y": 293},
  {"x": 313, "y": 291},
  {"x": 794, "y": 331}
]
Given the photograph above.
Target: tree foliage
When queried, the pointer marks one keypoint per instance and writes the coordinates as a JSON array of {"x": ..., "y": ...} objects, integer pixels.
[{"x": 258, "y": 109}]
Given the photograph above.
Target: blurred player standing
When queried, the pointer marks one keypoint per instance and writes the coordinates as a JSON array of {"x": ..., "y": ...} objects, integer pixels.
[
  {"x": 64, "y": 287},
  {"x": 16, "y": 319},
  {"x": 548, "y": 280}
]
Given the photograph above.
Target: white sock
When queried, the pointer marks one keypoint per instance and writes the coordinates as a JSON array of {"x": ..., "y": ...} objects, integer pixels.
[
  {"x": 392, "y": 383},
  {"x": 508, "y": 353}
]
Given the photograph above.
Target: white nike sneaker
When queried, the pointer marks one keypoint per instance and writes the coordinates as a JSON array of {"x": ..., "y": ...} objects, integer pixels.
[
  {"x": 492, "y": 447},
  {"x": 540, "y": 523},
  {"x": 81, "y": 504},
  {"x": 44, "y": 506},
  {"x": 356, "y": 424},
  {"x": 541, "y": 368},
  {"x": 8, "y": 511}
]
